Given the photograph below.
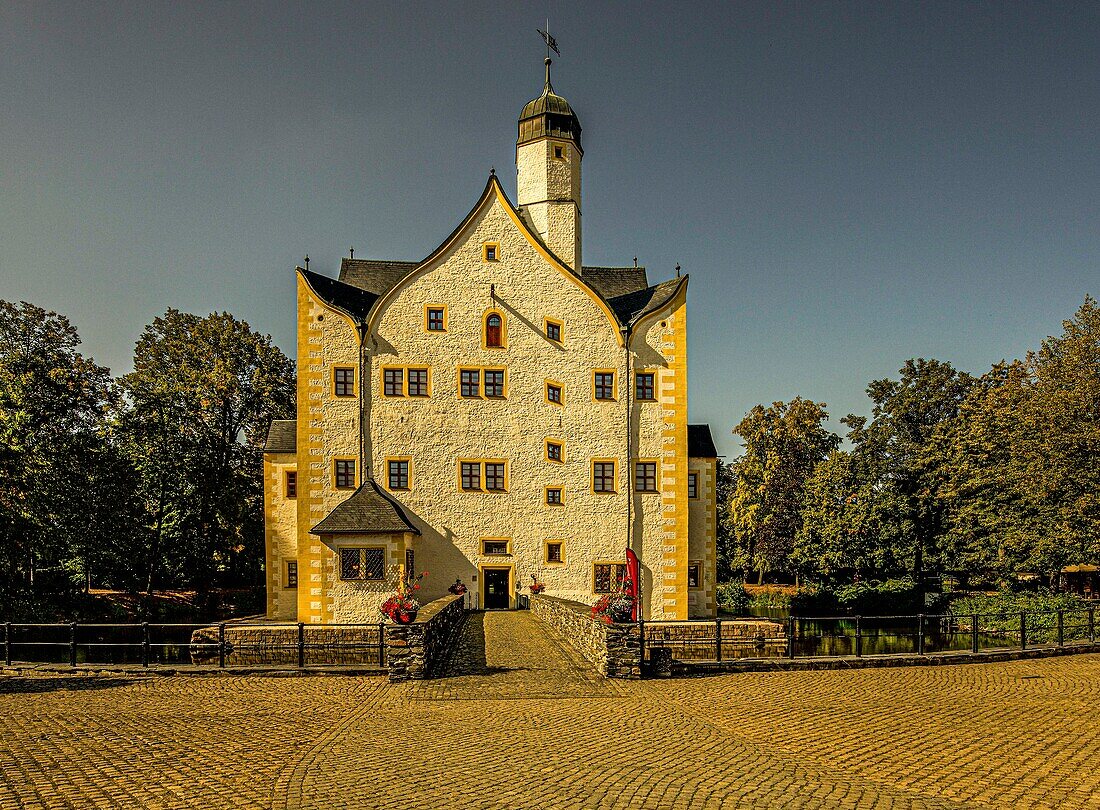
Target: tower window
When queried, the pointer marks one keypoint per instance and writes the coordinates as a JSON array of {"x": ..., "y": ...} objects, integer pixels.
[
  {"x": 494, "y": 331},
  {"x": 559, "y": 152}
]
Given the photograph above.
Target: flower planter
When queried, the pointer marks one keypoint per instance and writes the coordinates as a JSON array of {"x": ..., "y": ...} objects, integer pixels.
[{"x": 407, "y": 617}]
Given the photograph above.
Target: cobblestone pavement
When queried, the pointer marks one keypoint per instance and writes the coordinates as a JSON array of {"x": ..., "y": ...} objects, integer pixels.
[{"x": 523, "y": 723}]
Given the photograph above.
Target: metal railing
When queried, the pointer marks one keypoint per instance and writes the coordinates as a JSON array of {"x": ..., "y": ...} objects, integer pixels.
[
  {"x": 750, "y": 638},
  {"x": 255, "y": 645}
]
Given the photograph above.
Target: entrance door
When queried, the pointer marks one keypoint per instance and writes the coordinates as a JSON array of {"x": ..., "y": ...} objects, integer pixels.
[{"x": 496, "y": 588}]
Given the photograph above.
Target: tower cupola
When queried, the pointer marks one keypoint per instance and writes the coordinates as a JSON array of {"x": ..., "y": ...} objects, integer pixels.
[{"x": 548, "y": 172}]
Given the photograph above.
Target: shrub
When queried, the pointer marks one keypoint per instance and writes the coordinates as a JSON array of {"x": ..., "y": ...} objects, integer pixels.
[{"x": 732, "y": 598}]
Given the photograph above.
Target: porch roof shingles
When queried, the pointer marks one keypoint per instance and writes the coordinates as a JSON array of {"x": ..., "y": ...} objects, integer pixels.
[{"x": 368, "y": 510}]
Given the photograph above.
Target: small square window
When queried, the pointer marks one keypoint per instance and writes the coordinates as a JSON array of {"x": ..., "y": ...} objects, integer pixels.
[
  {"x": 393, "y": 382},
  {"x": 494, "y": 548},
  {"x": 436, "y": 321},
  {"x": 693, "y": 485},
  {"x": 292, "y": 574},
  {"x": 559, "y": 152},
  {"x": 553, "y": 331},
  {"x": 604, "y": 385},
  {"x": 694, "y": 580},
  {"x": 345, "y": 473},
  {"x": 494, "y": 477},
  {"x": 553, "y": 393},
  {"x": 494, "y": 383},
  {"x": 343, "y": 382},
  {"x": 470, "y": 383},
  {"x": 398, "y": 470},
  {"x": 491, "y": 252},
  {"x": 553, "y": 551},
  {"x": 603, "y": 476},
  {"x": 645, "y": 476},
  {"x": 554, "y": 451},
  {"x": 471, "y": 476},
  {"x": 644, "y": 390},
  {"x": 418, "y": 382},
  {"x": 553, "y": 496},
  {"x": 291, "y": 484}
]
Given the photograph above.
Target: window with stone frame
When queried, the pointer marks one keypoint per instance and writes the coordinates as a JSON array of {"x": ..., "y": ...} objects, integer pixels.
[
  {"x": 603, "y": 476},
  {"x": 553, "y": 331},
  {"x": 292, "y": 574},
  {"x": 608, "y": 577},
  {"x": 644, "y": 388},
  {"x": 470, "y": 383},
  {"x": 553, "y": 496},
  {"x": 363, "y": 564},
  {"x": 494, "y": 548},
  {"x": 494, "y": 477},
  {"x": 494, "y": 383},
  {"x": 553, "y": 393},
  {"x": 343, "y": 381},
  {"x": 555, "y": 451},
  {"x": 471, "y": 476},
  {"x": 436, "y": 321},
  {"x": 291, "y": 484},
  {"x": 345, "y": 473},
  {"x": 553, "y": 551},
  {"x": 398, "y": 473},
  {"x": 645, "y": 476},
  {"x": 694, "y": 579},
  {"x": 418, "y": 382},
  {"x": 693, "y": 485},
  {"x": 393, "y": 382},
  {"x": 604, "y": 385}
]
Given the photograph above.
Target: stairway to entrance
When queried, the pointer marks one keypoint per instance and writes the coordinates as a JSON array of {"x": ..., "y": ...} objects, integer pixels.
[{"x": 512, "y": 654}]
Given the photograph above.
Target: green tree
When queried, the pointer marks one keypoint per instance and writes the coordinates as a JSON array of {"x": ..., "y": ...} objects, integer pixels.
[
  {"x": 201, "y": 398},
  {"x": 783, "y": 445},
  {"x": 732, "y": 555},
  {"x": 892, "y": 451}
]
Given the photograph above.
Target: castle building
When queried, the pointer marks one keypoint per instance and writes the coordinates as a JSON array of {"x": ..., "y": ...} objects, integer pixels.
[{"x": 496, "y": 411}]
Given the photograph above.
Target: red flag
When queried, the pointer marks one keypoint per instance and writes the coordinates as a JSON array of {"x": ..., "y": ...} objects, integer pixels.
[{"x": 634, "y": 578}]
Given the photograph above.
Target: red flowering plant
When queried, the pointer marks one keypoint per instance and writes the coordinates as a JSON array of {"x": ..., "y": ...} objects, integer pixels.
[
  {"x": 458, "y": 588},
  {"x": 537, "y": 585},
  {"x": 402, "y": 607},
  {"x": 615, "y": 608}
]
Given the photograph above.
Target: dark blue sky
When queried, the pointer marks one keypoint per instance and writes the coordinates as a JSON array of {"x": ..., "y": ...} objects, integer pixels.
[{"x": 849, "y": 185}]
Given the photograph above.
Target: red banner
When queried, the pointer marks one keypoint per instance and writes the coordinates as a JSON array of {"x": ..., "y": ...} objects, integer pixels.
[{"x": 634, "y": 580}]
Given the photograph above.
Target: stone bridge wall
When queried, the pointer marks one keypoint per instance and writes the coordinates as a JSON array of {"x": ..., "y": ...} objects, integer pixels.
[
  {"x": 415, "y": 651},
  {"x": 613, "y": 649}
]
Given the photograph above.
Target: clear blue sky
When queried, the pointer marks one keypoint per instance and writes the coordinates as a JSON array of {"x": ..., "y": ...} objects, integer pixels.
[{"x": 849, "y": 184}]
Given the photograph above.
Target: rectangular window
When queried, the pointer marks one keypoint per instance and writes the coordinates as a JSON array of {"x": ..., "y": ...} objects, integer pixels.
[
  {"x": 345, "y": 473},
  {"x": 553, "y": 496},
  {"x": 436, "y": 321},
  {"x": 393, "y": 382},
  {"x": 553, "y": 393},
  {"x": 292, "y": 574},
  {"x": 494, "y": 548},
  {"x": 694, "y": 580},
  {"x": 559, "y": 152},
  {"x": 555, "y": 451},
  {"x": 693, "y": 485},
  {"x": 471, "y": 476},
  {"x": 608, "y": 577},
  {"x": 418, "y": 382},
  {"x": 645, "y": 476},
  {"x": 343, "y": 382},
  {"x": 604, "y": 385},
  {"x": 491, "y": 251},
  {"x": 398, "y": 473},
  {"x": 553, "y": 330},
  {"x": 291, "y": 484},
  {"x": 603, "y": 476},
  {"x": 553, "y": 551},
  {"x": 644, "y": 390},
  {"x": 362, "y": 564},
  {"x": 494, "y": 383},
  {"x": 470, "y": 382},
  {"x": 494, "y": 476}
]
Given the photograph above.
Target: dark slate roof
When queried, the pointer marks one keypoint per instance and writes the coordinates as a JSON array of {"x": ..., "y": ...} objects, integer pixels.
[
  {"x": 353, "y": 300},
  {"x": 368, "y": 510},
  {"x": 611, "y": 282},
  {"x": 374, "y": 276},
  {"x": 630, "y": 306},
  {"x": 700, "y": 444},
  {"x": 282, "y": 436}
]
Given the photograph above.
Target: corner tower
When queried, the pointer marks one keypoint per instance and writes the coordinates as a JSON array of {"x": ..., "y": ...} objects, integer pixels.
[{"x": 548, "y": 169}]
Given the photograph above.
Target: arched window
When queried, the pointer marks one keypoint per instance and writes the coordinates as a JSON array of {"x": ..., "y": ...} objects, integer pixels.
[{"x": 494, "y": 331}]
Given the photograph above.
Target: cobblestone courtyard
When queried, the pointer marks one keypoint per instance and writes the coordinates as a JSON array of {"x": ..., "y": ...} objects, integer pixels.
[{"x": 523, "y": 723}]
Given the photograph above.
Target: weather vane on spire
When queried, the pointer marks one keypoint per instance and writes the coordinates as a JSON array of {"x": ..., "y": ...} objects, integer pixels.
[{"x": 551, "y": 43}]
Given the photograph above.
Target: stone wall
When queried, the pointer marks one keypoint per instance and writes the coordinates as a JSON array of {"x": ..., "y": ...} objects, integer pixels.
[
  {"x": 415, "y": 651},
  {"x": 277, "y": 645},
  {"x": 697, "y": 641},
  {"x": 614, "y": 650}
]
